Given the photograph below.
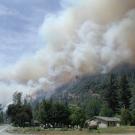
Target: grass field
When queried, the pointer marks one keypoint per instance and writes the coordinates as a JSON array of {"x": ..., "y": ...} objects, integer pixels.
[{"x": 107, "y": 131}]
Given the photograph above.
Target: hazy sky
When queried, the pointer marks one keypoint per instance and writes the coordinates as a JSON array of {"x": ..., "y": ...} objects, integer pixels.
[{"x": 19, "y": 24}]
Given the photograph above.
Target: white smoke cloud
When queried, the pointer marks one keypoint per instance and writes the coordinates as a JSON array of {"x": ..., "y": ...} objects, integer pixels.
[
  {"x": 7, "y": 89},
  {"x": 86, "y": 37}
]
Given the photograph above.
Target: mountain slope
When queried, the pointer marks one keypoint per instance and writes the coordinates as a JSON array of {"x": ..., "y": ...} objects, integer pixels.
[{"x": 86, "y": 87}]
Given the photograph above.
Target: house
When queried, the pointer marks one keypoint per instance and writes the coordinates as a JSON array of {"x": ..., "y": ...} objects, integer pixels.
[{"x": 104, "y": 122}]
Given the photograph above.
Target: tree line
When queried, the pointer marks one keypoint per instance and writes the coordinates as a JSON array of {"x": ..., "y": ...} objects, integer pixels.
[
  {"x": 117, "y": 99},
  {"x": 58, "y": 115},
  {"x": 48, "y": 113},
  {"x": 19, "y": 113}
]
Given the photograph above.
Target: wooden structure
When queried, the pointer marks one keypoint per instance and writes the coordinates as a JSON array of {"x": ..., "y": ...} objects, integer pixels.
[{"x": 104, "y": 122}]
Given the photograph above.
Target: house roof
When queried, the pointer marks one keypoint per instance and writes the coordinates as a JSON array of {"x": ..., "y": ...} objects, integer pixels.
[{"x": 108, "y": 119}]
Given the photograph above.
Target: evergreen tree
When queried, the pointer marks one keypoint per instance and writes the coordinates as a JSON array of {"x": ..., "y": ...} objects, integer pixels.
[
  {"x": 17, "y": 98},
  {"x": 92, "y": 107},
  {"x": 132, "y": 102},
  {"x": 125, "y": 92},
  {"x": 133, "y": 117},
  {"x": 106, "y": 112},
  {"x": 125, "y": 117},
  {"x": 111, "y": 94},
  {"x": 1, "y": 114}
]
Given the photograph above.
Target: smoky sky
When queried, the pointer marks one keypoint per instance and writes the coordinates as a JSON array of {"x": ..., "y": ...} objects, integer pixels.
[{"x": 82, "y": 37}]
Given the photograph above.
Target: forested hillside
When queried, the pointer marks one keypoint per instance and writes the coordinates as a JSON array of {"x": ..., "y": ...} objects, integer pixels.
[
  {"x": 103, "y": 94},
  {"x": 111, "y": 94},
  {"x": 80, "y": 90}
]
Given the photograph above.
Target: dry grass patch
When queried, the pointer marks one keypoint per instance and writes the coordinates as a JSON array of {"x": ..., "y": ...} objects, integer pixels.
[{"x": 107, "y": 131}]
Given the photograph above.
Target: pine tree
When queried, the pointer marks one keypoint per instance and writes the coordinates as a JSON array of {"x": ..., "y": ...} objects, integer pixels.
[
  {"x": 125, "y": 93},
  {"x": 106, "y": 112},
  {"x": 125, "y": 117},
  {"x": 111, "y": 94},
  {"x": 132, "y": 102}
]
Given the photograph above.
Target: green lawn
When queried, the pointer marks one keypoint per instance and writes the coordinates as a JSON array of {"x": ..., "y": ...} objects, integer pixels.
[{"x": 108, "y": 131}]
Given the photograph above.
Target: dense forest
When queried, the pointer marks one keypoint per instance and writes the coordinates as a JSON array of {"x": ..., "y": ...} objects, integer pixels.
[
  {"x": 111, "y": 94},
  {"x": 80, "y": 91}
]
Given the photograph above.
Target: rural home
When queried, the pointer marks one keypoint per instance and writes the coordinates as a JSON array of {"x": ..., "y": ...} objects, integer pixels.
[{"x": 104, "y": 122}]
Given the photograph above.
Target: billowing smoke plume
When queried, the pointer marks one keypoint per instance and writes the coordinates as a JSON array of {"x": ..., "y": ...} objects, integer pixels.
[{"x": 86, "y": 37}]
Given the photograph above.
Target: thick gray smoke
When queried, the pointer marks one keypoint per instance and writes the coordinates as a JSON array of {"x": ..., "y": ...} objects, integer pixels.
[{"x": 87, "y": 36}]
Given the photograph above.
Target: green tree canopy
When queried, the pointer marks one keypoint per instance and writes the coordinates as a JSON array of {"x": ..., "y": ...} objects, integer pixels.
[
  {"x": 125, "y": 117},
  {"x": 125, "y": 92},
  {"x": 111, "y": 94}
]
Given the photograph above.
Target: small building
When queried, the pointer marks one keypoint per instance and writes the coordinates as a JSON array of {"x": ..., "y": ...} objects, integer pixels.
[
  {"x": 36, "y": 123},
  {"x": 104, "y": 122}
]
